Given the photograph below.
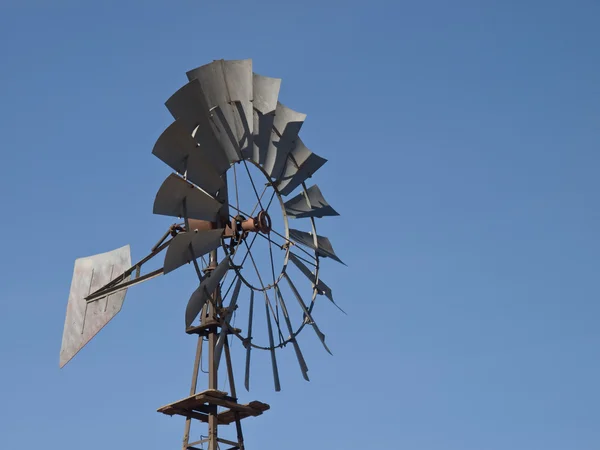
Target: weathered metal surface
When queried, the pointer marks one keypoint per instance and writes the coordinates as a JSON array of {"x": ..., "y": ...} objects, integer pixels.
[
  {"x": 84, "y": 320},
  {"x": 180, "y": 151},
  {"x": 284, "y": 135},
  {"x": 266, "y": 92},
  {"x": 261, "y": 222},
  {"x": 223, "y": 197},
  {"x": 272, "y": 349},
  {"x": 227, "y": 86},
  {"x": 187, "y": 246},
  {"x": 188, "y": 105},
  {"x": 206, "y": 289},
  {"x": 178, "y": 198},
  {"x": 309, "y": 204},
  {"x": 323, "y": 247},
  {"x": 299, "y": 166},
  {"x": 288, "y": 323},
  {"x": 225, "y": 324}
]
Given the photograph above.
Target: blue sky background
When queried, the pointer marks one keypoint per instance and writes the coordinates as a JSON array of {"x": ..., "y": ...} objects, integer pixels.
[{"x": 462, "y": 140}]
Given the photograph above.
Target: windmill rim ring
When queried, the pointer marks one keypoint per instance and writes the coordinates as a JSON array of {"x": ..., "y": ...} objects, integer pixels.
[
  {"x": 277, "y": 193},
  {"x": 245, "y": 341}
]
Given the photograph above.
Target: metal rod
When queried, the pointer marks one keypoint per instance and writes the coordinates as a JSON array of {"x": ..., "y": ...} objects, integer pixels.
[
  {"x": 259, "y": 199},
  {"x": 225, "y": 441},
  {"x": 162, "y": 239},
  {"x": 253, "y": 186},
  {"x": 110, "y": 290},
  {"x": 188, "y": 420},
  {"x": 101, "y": 292}
]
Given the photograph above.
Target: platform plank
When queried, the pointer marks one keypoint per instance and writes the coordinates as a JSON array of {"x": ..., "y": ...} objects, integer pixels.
[
  {"x": 200, "y": 405},
  {"x": 253, "y": 409}
]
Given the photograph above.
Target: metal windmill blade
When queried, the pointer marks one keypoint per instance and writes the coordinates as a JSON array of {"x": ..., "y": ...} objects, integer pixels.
[
  {"x": 309, "y": 204},
  {"x": 236, "y": 153},
  {"x": 300, "y": 166},
  {"x": 322, "y": 247}
]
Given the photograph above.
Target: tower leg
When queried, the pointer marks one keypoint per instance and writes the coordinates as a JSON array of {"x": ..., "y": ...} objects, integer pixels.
[
  {"x": 212, "y": 382},
  {"x": 238, "y": 424},
  {"x": 188, "y": 421},
  {"x": 212, "y": 367}
]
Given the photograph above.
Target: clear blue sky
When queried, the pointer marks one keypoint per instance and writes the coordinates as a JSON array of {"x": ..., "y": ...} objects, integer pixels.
[{"x": 463, "y": 144}]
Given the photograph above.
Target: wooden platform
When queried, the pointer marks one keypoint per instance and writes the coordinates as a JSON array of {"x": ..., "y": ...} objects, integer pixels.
[{"x": 200, "y": 405}]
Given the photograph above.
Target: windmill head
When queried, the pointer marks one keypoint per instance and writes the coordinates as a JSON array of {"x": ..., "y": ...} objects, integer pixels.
[{"x": 225, "y": 116}]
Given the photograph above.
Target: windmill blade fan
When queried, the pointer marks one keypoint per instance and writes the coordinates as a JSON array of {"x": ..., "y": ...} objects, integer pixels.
[{"x": 236, "y": 153}]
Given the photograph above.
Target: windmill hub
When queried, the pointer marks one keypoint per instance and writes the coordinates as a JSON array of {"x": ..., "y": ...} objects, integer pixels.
[
  {"x": 238, "y": 226},
  {"x": 262, "y": 222}
]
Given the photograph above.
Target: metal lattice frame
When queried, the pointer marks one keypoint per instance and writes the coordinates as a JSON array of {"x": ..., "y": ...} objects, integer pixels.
[{"x": 227, "y": 119}]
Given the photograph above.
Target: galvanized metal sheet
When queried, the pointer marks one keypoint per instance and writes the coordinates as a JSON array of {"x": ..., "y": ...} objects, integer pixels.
[
  {"x": 272, "y": 348},
  {"x": 223, "y": 197},
  {"x": 309, "y": 204},
  {"x": 248, "y": 346},
  {"x": 189, "y": 106},
  {"x": 178, "y": 198},
  {"x": 84, "y": 320},
  {"x": 266, "y": 92},
  {"x": 284, "y": 135},
  {"x": 323, "y": 248},
  {"x": 227, "y": 86},
  {"x": 299, "y": 166},
  {"x": 204, "y": 291},
  {"x": 307, "y": 314},
  {"x": 187, "y": 246},
  {"x": 321, "y": 287},
  {"x": 179, "y": 150},
  {"x": 263, "y": 124},
  {"x": 226, "y": 319},
  {"x": 299, "y": 356}
]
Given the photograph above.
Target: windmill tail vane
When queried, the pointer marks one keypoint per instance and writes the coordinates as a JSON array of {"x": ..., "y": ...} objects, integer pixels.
[{"x": 236, "y": 155}]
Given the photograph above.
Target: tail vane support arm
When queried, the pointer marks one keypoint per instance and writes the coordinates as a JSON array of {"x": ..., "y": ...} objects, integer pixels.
[{"x": 121, "y": 282}]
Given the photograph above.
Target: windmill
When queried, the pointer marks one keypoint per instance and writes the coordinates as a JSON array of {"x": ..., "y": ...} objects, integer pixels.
[{"x": 228, "y": 126}]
